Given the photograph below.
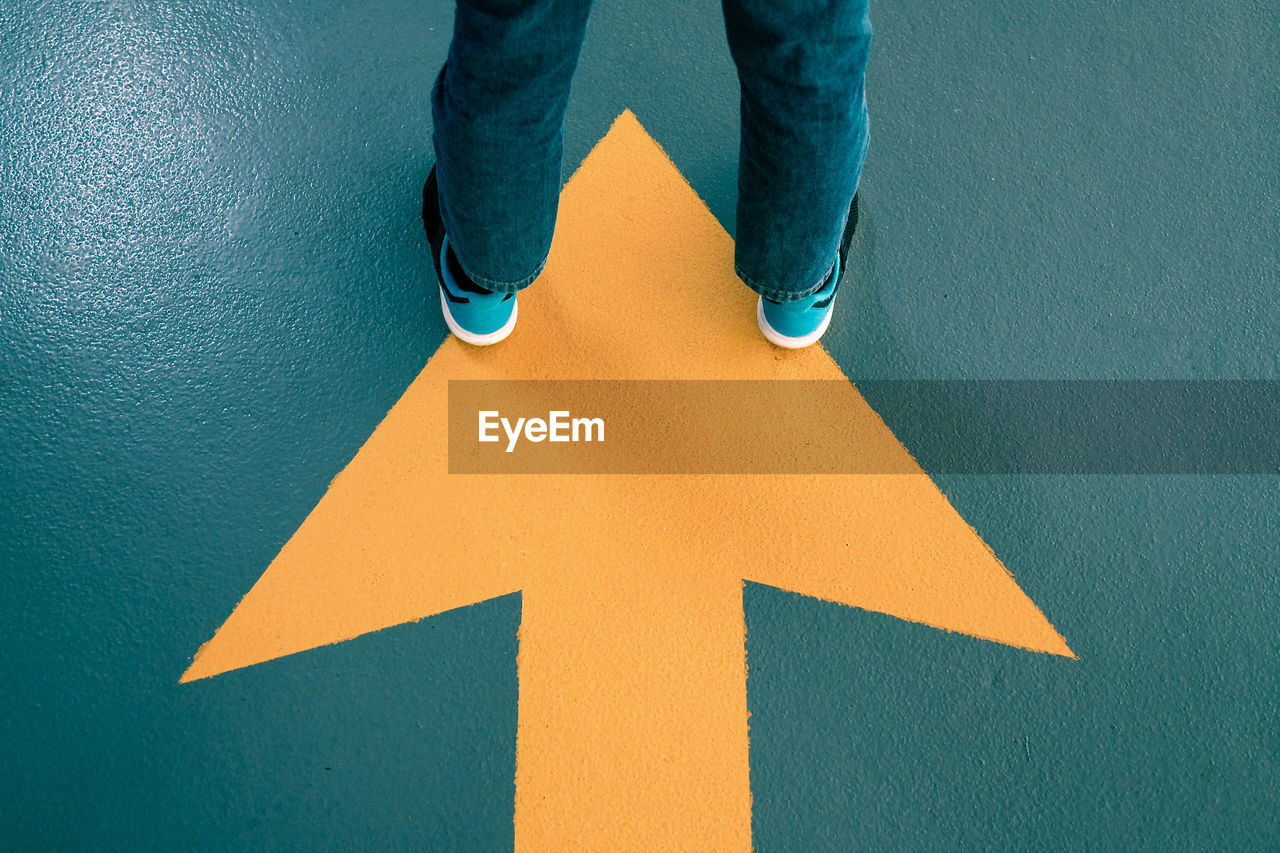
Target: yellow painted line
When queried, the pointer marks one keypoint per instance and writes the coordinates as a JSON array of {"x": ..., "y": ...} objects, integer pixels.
[{"x": 633, "y": 714}]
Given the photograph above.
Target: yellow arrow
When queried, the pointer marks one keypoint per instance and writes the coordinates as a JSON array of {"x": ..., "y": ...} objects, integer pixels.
[{"x": 633, "y": 716}]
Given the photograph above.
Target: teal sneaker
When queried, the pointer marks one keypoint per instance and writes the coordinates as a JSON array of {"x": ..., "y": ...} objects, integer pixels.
[
  {"x": 475, "y": 314},
  {"x": 801, "y": 322}
]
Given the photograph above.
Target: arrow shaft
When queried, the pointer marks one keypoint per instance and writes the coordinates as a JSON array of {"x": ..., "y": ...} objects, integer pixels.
[{"x": 633, "y": 720}]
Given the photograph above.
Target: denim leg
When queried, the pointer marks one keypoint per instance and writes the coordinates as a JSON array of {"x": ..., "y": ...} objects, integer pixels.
[
  {"x": 498, "y": 107},
  {"x": 801, "y": 68}
]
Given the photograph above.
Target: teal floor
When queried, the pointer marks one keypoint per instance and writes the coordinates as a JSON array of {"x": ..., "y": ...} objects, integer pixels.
[{"x": 213, "y": 285}]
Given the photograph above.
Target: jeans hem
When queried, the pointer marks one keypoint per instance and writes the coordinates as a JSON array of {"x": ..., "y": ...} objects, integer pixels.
[
  {"x": 785, "y": 295},
  {"x": 500, "y": 286}
]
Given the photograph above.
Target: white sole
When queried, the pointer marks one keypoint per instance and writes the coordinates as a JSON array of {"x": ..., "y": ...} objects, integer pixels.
[
  {"x": 471, "y": 337},
  {"x": 777, "y": 338}
]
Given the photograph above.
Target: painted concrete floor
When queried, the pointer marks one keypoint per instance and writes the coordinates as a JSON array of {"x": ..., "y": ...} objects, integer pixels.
[{"x": 213, "y": 286}]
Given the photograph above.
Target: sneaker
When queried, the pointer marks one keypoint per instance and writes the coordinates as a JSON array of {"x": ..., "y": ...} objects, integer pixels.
[
  {"x": 475, "y": 314},
  {"x": 799, "y": 323}
]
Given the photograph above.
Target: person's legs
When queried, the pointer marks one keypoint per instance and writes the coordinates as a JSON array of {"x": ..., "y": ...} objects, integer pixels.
[
  {"x": 801, "y": 66},
  {"x": 498, "y": 107}
]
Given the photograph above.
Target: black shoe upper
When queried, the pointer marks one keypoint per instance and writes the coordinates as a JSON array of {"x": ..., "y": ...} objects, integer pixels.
[
  {"x": 433, "y": 224},
  {"x": 850, "y": 226}
]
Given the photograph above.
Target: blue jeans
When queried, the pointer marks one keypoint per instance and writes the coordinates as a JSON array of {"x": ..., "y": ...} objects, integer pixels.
[{"x": 499, "y": 105}]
